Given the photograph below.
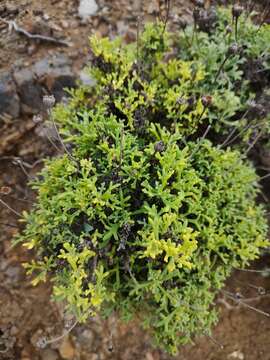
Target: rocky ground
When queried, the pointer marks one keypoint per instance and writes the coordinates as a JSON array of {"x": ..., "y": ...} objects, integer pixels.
[{"x": 30, "y": 68}]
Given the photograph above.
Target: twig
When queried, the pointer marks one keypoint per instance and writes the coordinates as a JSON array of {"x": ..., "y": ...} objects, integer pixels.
[
  {"x": 43, "y": 342},
  {"x": 214, "y": 341},
  {"x": 9, "y": 225},
  {"x": 241, "y": 302},
  {"x": 25, "y": 164},
  {"x": 225, "y": 303},
  {"x": 9, "y": 208},
  {"x": 266, "y": 14},
  {"x": 254, "y": 142},
  {"x": 200, "y": 141},
  {"x": 247, "y": 127},
  {"x": 13, "y": 26},
  {"x": 264, "y": 177},
  {"x": 59, "y": 136},
  {"x": 253, "y": 271}
]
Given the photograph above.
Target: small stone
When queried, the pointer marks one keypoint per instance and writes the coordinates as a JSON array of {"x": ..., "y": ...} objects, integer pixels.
[
  {"x": 87, "y": 8},
  {"x": 66, "y": 349},
  {"x": 103, "y": 29},
  {"x": 49, "y": 354},
  {"x": 122, "y": 27},
  {"x": 12, "y": 9},
  {"x": 31, "y": 49},
  {"x": 86, "y": 337},
  {"x": 29, "y": 90},
  {"x": 236, "y": 355},
  {"x": 153, "y": 7},
  {"x": 64, "y": 24},
  {"x": 5, "y": 190},
  {"x": 14, "y": 273},
  {"x": 93, "y": 356},
  {"x": 9, "y": 100}
]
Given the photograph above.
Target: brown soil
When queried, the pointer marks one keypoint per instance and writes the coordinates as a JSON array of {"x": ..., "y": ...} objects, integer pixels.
[{"x": 26, "y": 312}]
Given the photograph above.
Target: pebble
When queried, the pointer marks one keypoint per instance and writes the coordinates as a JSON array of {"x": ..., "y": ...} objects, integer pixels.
[
  {"x": 49, "y": 354},
  {"x": 236, "y": 355},
  {"x": 87, "y": 8},
  {"x": 66, "y": 349},
  {"x": 9, "y": 100}
]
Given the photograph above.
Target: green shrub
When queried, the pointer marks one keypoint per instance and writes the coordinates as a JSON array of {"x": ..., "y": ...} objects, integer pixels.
[{"x": 137, "y": 218}]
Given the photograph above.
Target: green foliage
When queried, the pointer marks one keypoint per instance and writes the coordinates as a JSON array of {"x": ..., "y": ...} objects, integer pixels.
[
  {"x": 244, "y": 76},
  {"x": 139, "y": 219}
]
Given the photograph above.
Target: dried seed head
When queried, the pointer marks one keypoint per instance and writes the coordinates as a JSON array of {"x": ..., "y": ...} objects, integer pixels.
[
  {"x": 238, "y": 296},
  {"x": 228, "y": 29},
  {"x": 207, "y": 100},
  {"x": 48, "y": 101},
  {"x": 42, "y": 343},
  {"x": 199, "y": 3},
  {"x": 37, "y": 118},
  {"x": 233, "y": 49},
  {"x": 5, "y": 190},
  {"x": 159, "y": 146},
  {"x": 261, "y": 290},
  {"x": 237, "y": 10},
  {"x": 258, "y": 108}
]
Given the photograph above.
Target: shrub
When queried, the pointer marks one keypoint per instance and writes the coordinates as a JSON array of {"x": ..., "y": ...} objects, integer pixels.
[{"x": 139, "y": 217}]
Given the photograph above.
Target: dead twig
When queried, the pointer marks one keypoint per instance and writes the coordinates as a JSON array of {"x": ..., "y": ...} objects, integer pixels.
[
  {"x": 236, "y": 298},
  {"x": 13, "y": 26}
]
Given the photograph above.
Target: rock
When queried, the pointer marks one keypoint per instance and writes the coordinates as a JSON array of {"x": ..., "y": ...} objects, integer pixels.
[
  {"x": 86, "y": 338},
  {"x": 9, "y": 100},
  {"x": 30, "y": 91},
  {"x": 14, "y": 274},
  {"x": 236, "y": 355},
  {"x": 87, "y": 8},
  {"x": 55, "y": 74},
  {"x": 122, "y": 27},
  {"x": 49, "y": 354},
  {"x": 66, "y": 349},
  {"x": 59, "y": 64},
  {"x": 42, "y": 27}
]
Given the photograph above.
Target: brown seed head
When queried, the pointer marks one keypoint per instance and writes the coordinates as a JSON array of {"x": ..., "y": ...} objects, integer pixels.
[{"x": 237, "y": 11}]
